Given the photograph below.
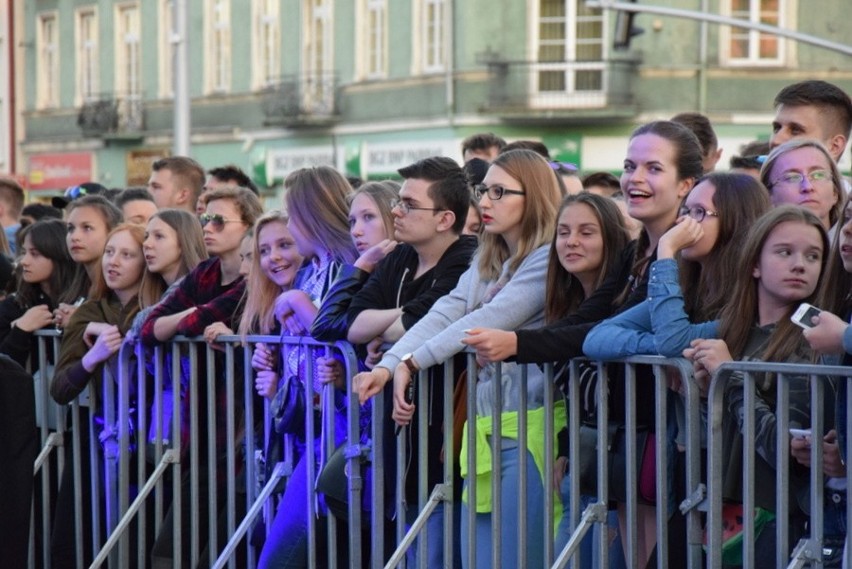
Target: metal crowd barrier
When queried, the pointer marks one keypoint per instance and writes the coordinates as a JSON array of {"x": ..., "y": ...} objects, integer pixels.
[{"x": 142, "y": 468}]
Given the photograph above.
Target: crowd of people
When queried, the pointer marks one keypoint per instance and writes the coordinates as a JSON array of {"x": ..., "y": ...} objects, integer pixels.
[{"x": 523, "y": 259}]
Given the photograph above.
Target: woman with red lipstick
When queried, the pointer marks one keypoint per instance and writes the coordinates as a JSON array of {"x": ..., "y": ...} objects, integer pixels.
[
  {"x": 92, "y": 338},
  {"x": 803, "y": 173},
  {"x": 519, "y": 198},
  {"x": 782, "y": 263},
  {"x": 90, "y": 219}
]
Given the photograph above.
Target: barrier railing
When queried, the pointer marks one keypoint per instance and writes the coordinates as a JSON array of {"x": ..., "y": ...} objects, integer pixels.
[{"x": 178, "y": 458}]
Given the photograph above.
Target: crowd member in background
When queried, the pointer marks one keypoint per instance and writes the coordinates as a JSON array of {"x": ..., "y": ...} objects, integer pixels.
[
  {"x": 229, "y": 176},
  {"x": 316, "y": 202},
  {"x": 780, "y": 267},
  {"x": 519, "y": 198},
  {"x": 136, "y": 205},
  {"x": 176, "y": 181},
  {"x": 485, "y": 146},
  {"x": 75, "y": 192},
  {"x": 802, "y": 173},
  {"x": 831, "y": 337},
  {"x": 46, "y": 268},
  {"x": 750, "y": 159},
  {"x": 703, "y": 130},
  {"x": 569, "y": 173},
  {"x": 11, "y": 203},
  {"x": 33, "y": 212},
  {"x": 602, "y": 184},
  {"x": 90, "y": 219},
  {"x": 814, "y": 110},
  {"x": 91, "y": 339}
]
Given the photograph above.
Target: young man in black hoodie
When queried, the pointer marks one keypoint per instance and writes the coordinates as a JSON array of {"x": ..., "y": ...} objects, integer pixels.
[{"x": 428, "y": 220}]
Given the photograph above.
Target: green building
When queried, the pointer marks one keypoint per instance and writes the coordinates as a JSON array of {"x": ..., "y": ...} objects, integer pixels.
[{"x": 372, "y": 85}]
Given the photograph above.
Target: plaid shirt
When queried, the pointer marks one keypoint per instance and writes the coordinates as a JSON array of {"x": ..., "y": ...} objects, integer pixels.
[{"x": 201, "y": 288}]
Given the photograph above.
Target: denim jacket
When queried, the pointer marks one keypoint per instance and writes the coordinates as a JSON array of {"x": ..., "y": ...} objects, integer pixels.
[{"x": 659, "y": 325}]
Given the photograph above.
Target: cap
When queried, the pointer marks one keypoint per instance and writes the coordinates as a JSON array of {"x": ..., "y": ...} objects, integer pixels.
[{"x": 74, "y": 192}]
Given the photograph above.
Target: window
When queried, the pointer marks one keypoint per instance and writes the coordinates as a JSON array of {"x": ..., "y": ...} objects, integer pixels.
[
  {"x": 317, "y": 84},
  {"x": 266, "y": 43},
  {"x": 372, "y": 39},
  {"x": 167, "y": 50},
  {"x": 429, "y": 31},
  {"x": 87, "y": 55},
  {"x": 217, "y": 33},
  {"x": 47, "y": 64},
  {"x": 741, "y": 46},
  {"x": 571, "y": 53},
  {"x": 127, "y": 56}
]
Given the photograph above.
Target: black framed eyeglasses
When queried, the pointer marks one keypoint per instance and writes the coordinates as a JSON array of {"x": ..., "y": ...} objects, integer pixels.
[
  {"x": 697, "y": 213},
  {"x": 217, "y": 219},
  {"x": 494, "y": 192},
  {"x": 405, "y": 207}
]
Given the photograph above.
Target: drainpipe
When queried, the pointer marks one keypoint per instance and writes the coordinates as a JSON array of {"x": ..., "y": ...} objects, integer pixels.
[
  {"x": 180, "y": 71},
  {"x": 702, "y": 60},
  {"x": 449, "y": 66},
  {"x": 12, "y": 134}
]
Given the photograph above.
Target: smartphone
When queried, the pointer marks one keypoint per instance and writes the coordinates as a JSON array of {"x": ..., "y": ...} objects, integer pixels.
[
  {"x": 409, "y": 398},
  {"x": 802, "y": 316},
  {"x": 800, "y": 433}
]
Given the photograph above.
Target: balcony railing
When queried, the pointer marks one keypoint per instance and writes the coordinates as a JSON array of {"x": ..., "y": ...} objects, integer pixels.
[
  {"x": 308, "y": 99},
  {"x": 574, "y": 88},
  {"x": 109, "y": 114}
]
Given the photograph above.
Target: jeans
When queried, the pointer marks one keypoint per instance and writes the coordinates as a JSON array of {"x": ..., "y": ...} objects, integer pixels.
[
  {"x": 435, "y": 537},
  {"x": 510, "y": 525},
  {"x": 589, "y": 554}
]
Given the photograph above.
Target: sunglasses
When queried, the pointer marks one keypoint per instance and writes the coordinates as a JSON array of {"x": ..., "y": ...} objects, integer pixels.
[{"x": 217, "y": 220}]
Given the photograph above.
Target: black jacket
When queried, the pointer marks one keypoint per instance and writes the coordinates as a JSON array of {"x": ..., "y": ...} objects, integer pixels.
[
  {"x": 392, "y": 284},
  {"x": 14, "y": 342},
  {"x": 331, "y": 322}
]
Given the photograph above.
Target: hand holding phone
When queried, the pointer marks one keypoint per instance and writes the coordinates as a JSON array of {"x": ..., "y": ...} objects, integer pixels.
[
  {"x": 800, "y": 433},
  {"x": 409, "y": 398},
  {"x": 802, "y": 316}
]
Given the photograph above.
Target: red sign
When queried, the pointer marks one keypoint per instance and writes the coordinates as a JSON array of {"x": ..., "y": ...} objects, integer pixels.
[{"x": 59, "y": 171}]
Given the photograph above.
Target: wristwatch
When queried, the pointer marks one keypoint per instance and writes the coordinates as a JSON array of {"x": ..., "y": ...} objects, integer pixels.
[{"x": 408, "y": 360}]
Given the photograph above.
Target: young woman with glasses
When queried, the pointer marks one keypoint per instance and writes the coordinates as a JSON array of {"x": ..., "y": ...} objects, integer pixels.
[
  {"x": 802, "y": 173},
  {"x": 518, "y": 199}
]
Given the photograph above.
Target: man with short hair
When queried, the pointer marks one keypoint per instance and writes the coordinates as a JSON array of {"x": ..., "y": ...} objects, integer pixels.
[
  {"x": 224, "y": 177},
  {"x": 136, "y": 205},
  {"x": 428, "y": 219},
  {"x": 176, "y": 182},
  {"x": 484, "y": 145},
  {"x": 813, "y": 110},
  {"x": 11, "y": 204},
  {"x": 703, "y": 130}
]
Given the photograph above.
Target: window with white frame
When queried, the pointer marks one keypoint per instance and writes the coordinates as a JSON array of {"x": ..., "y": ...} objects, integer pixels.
[
  {"x": 317, "y": 84},
  {"x": 266, "y": 43},
  {"x": 127, "y": 51},
  {"x": 571, "y": 50},
  {"x": 87, "y": 54},
  {"x": 742, "y": 46},
  {"x": 372, "y": 39},
  {"x": 217, "y": 33},
  {"x": 429, "y": 36},
  {"x": 166, "y": 80},
  {"x": 47, "y": 64}
]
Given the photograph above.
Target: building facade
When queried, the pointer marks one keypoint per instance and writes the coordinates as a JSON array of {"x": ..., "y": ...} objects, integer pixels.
[{"x": 371, "y": 85}]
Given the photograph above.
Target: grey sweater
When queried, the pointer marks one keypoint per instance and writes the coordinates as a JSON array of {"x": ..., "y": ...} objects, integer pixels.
[{"x": 518, "y": 304}]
